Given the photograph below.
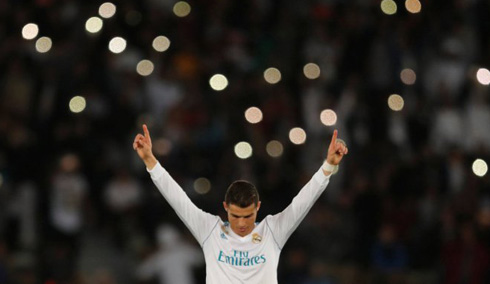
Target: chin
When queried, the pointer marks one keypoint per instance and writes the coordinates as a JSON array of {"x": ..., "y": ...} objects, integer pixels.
[{"x": 244, "y": 233}]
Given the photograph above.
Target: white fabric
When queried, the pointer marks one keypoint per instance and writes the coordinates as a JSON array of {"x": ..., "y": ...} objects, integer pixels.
[
  {"x": 172, "y": 266},
  {"x": 122, "y": 194},
  {"x": 252, "y": 259},
  {"x": 67, "y": 196},
  {"x": 447, "y": 129}
]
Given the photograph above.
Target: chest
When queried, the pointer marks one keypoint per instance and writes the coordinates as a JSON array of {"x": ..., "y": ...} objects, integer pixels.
[{"x": 227, "y": 248}]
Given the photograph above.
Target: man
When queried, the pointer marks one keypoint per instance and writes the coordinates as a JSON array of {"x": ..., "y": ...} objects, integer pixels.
[{"x": 240, "y": 250}]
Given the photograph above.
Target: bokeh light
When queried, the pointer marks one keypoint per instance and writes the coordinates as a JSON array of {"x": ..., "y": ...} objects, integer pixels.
[
  {"x": 43, "y": 44},
  {"x": 182, "y": 9},
  {"x": 145, "y": 67},
  {"x": 395, "y": 102},
  {"x": 388, "y": 7},
  {"x": 117, "y": 45},
  {"x": 311, "y": 71},
  {"x": 161, "y": 43},
  {"x": 413, "y": 6},
  {"x": 483, "y": 76},
  {"x": 253, "y": 115},
  {"x": 218, "y": 82},
  {"x": 297, "y": 136},
  {"x": 162, "y": 146},
  {"x": 93, "y": 25},
  {"x": 243, "y": 150},
  {"x": 328, "y": 117},
  {"x": 479, "y": 167},
  {"x": 107, "y": 10},
  {"x": 274, "y": 148},
  {"x": 408, "y": 76},
  {"x": 30, "y": 31},
  {"x": 77, "y": 104},
  {"x": 272, "y": 75},
  {"x": 202, "y": 185}
]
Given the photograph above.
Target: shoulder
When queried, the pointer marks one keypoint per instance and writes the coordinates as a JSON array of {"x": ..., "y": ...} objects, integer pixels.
[{"x": 265, "y": 223}]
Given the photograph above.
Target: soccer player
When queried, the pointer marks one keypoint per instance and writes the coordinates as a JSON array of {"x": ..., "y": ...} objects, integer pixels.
[{"x": 240, "y": 250}]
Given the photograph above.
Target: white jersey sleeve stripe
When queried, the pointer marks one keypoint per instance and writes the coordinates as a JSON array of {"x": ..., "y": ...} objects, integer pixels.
[
  {"x": 210, "y": 232},
  {"x": 272, "y": 233}
]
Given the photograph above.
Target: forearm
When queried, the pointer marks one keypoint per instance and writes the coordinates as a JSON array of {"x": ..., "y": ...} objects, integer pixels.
[
  {"x": 284, "y": 223},
  {"x": 307, "y": 196},
  {"x": 198, "y": 221},
  {"x": 150, "y": 162}
]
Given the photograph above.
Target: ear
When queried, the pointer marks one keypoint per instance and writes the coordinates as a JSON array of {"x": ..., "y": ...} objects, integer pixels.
[
  {"x": 258, "y": 205},
  {"x": 225, "y": 206}
]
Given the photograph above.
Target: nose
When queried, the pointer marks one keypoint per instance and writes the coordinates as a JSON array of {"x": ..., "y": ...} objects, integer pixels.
[{"x": 241, "y": 222}]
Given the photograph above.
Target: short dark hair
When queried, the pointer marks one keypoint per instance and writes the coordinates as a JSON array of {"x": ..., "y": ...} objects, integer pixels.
[{"x": 242, "y": 193}]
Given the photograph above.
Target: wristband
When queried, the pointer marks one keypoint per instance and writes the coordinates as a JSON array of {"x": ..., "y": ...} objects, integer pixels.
[{"x": 330, "y": 168}]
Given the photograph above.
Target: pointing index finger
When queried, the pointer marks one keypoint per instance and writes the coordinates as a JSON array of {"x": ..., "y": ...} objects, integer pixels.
[
  {"x": 334, "y": 138},
  {"x": 146, "y": 132}
]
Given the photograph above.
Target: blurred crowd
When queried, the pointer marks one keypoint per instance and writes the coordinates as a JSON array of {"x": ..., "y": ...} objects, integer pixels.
[{"x": 77, "y": 205}]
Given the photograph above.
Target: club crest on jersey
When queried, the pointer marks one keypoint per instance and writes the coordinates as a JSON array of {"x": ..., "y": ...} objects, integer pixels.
[
  {"x": 224, "y": 229},
  {"x": 256, "y": 238}
]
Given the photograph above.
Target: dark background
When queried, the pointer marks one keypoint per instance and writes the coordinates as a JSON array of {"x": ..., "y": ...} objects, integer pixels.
[{"x": 77, "y": 206}]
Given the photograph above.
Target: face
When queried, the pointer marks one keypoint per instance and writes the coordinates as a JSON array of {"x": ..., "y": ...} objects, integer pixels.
[{"x": 242, "y": 220}]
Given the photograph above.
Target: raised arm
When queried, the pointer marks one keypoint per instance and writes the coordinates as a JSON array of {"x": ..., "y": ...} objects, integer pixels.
[
  {"x": 199, "y": 222},
  {"x": 283, "y": 224}
]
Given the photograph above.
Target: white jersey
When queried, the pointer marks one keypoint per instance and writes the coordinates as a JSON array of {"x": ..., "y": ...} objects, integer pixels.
[{"x": 252, "y": 259}]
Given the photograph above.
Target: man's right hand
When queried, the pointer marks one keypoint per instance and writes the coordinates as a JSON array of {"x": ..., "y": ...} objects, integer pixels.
[{"x": 142, "y": 145}]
